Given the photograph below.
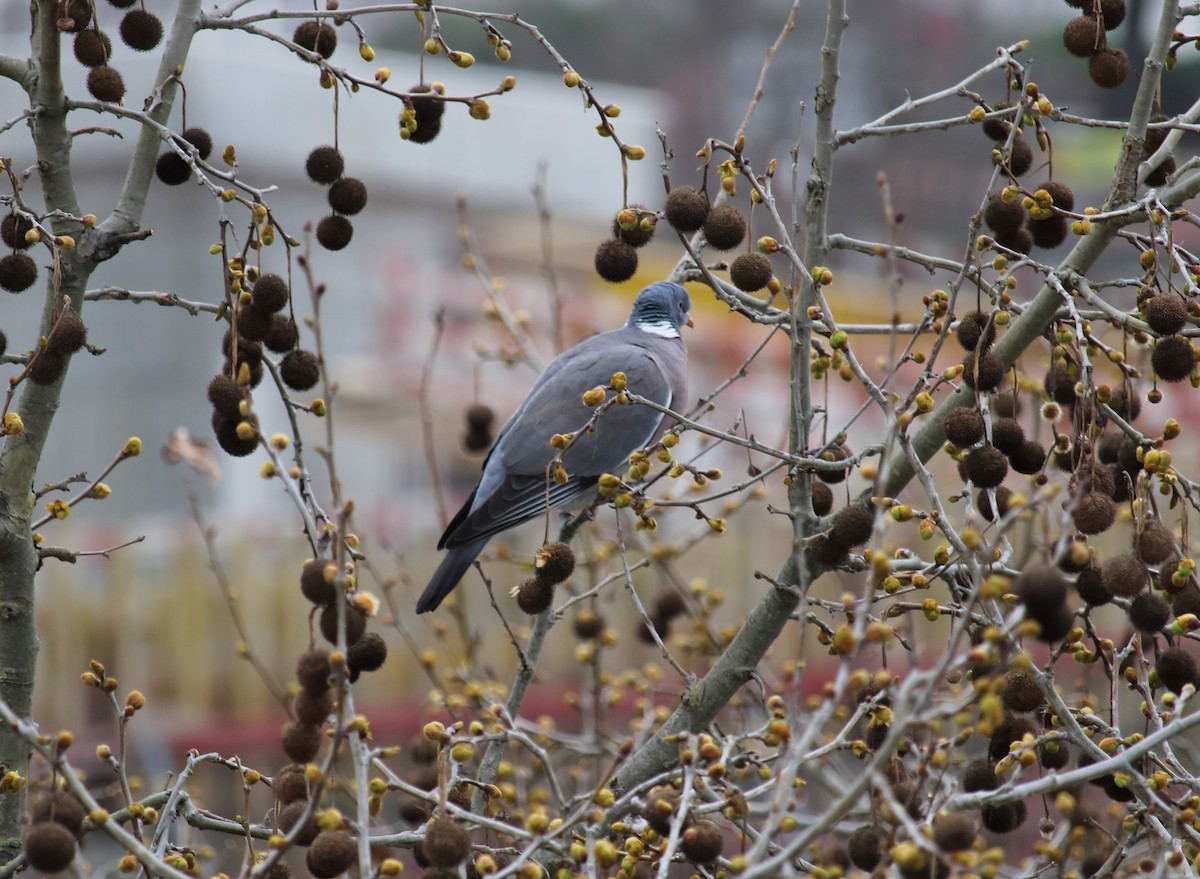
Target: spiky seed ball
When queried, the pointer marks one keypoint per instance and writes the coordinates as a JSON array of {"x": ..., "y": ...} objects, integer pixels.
[
  {"x": 828, "y": 552},
  {"x": 68, "y": 334},
  {"x": 702, "y": 842},
  {"x": 92, "y": 48},
  {"x": 225, "y": 430},
  {"x": 615, "y": 261},
  {"x": 319, "y": 37},
  {"x": 270, "y": 294},
  {"x": 686, "y": 208},
  {"x": 669, "y": 605},
  {"x": 588, "y": 625},
  {"x": 475, "y": 441},
  {"x": 248, "y": 352},
  {"x": 1166, "y": 313},
  {"x": 1003, "y": 818},
  {"x": 852, "y": 525},
  {"x": 876, "y": 736},
  {"x": 983, "y": 372},
  {"x": 554, "y": 563},
  {"x": 725, "y": 227},
  {"x": 1149, "y": 612},
  {"x": 983, "y": 503},
  {"x": 324, "y": 165},
  {"x": 1124, "y": 575},
  {"x": 1109, "y": 67},
  {"x": 172, "y": 169},
  {"x": 122, "y": 4},
  {"x": 313, "y": 708},
  {"x": 834, "y": 453},
  {"x": 1021, "y": 692},
  {"x": 1156, "y": 543},
  {"x": 1162, "y": 173},
  {"x": 1007, "y": 435},
  {"x": 334, "y": 232},
  {"x": 534, "y": 596},
  {"x": 964, "y": 426},
  {"x": 313, "y": 670},
  {"x": 1049, "y": 233},
  {"x": 979, "y": 775},
  {"x": 985, "y": 466},
  {"x": 1082, "y": 36},
  {"x": 1013, "y": 728},
  {"x": 348, "y": 195},
  {"x": 47, "y": 367},
  {"x": 60, "y": 807},
  {"x": 289, "y": 817},
  {"x": 368, "y": 654},
  {"x": 1089, "y": 583},
  {"x": 1054, "y": 758},
  {"x": 104, "y": 83},
  {"x": 954, "y": 831},
  {"x": 78, "y": 16},
  {"x": 973, "y": 328},
  {"x": 299, "y": 369},
  {"x": 446, "y": 843},
  {"x": 1060, "y": 384},
  {"x": 141, "y": 30},
  {"x": 316, "y": 581},
  {"x": 253, "y": 324},
  {"x": 49, "y": 847},
  {"x": 1042, "y": 589},
  {"x": 480, "y": 416},
  {"x": 332, "y": 853},
  {"x": 1094, "y": 513},
  {"x": 641, "y": 234},
  {"x": 18, "y": 271},
  {"x": 1029, "y": 458},
  {"x": 997, "y": 129},
  {"x": 660, "y": 808},
  {"x": 12, "y": 231},
  {"x": 284, "y": 334},
  {"x": 289, "y": 784},
  {"x": 1173, "y": 359},
  {"x": 1061, "y": 194},
  {"x": 1125, "y": 403},
  {"x": 1176, "y": 667},
  {"x": 1020, "y": 157},
  {"x": 1020, "y": 241},
  {"x": 300, "y": 741},
  {"x": 750, "y": 272},
  {"x": 1157, "y": 136},
  {"x": 1003, "y": 217},
  {"x": 428, "y": 109},
  {"x": 822, "y": 498},
  {"x": 1112, "y": 12},
  {"x": 865, "y": 846},
  {"x": 356, "y": 623}
]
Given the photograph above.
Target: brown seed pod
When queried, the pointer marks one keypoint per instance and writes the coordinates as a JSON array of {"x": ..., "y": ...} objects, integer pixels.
[
  {"x": 852, "y": 525},
  {"x": 313, "y": 709},
  {"x": 284, "y": 334},
  {"x": 348, "y": 195},
  {"x": 225, "y": 396},
  {"x": 447, "y": 844},
  {"x": 866, "y": 846},
  {"x": 1166, "y": 313},
  {"x": 588, "y": 625},
  {"x": 997, "y": 129},
  {"x": 104, "y": 83},
  {"x": 822, "y": 498},
  {"x": 1042, "y": 589},
  {"x": 92, "y": 48},
  {"x": 1124, "y": 575},
  {"x": 1163, "y": 172},
  {"x": 1156, "y": 543},
  {"x": 984, "y": 504},
  {"x": 954, "y": 831},
  {"x": 367, "y": 654},
  {"x": 1109, "y": 67},
  {"x": 750, "y": 272},
  {"x": 964, "y": 426},
  {"x": 1173, "y": 358},
  {"x": 1149, "y": 612},
  {"x": 1049, "y": 233},
  {"x": 226, "y": 431},
  {"x": 18, "y": 271},
  {"x": 1094, "y": 513},
  {"x": 12, "y": 231},
  {"x": 686, "y": 208},
  {"x": 1089, "y": 583},
  {"x": 1060, "y": 194},
  {"x": 1003, "y": 818},
  {"x": 253, "y": 324},
  {"x": 834, "y": 453},
  {"x": 356, "y": 623},
  {"x": 1020, "y": 157},
  {"x": 725, "y": 227},
  {"x": 301, "y": 741},
  {"x": 1060, "y": 384},
  {"x": 47, "y": 368},
  {"x": 702, "y": 842},
  {"x": 334, "y": 232},
  {"x": 1083, "y": 36},
  {"x": 983, "y": 372},
  {"x": 1177, "y": 667},
  {"x": 985, "y": 466},
  {"x": 554, "y": 563},
  {"x": 289, "y": 784},
  {"x": 332, "y": 853},
  {"x": 1007, "y": 435},
  {"x": 1003, "y": 218},
  {"x": 615, "y": 261},
  {"x": 270, "y": 294},
  {"x": 534, "y": 595},
  {"x": 1112, "y": 13},
  {"x": 324, "y": 165},
  {"x": 1021, "y": 692},
  {"x": 289, "y": 817},
  {"x": 642, "y": 231},
  {"x": 979, "y": 775},
  {"x": 49, "y": 847},
  {"x": 58, "y": 806},
  {"x": 319, "y": 37},
  {"x": 313, "y": 670},
  {"x": 659, "y": 811},
  {"x": 974, "y": 327},
  {"x": 300, "y": 370},
  {"x": 428, "y": 109},
  {"x": 141, "y": 30}
]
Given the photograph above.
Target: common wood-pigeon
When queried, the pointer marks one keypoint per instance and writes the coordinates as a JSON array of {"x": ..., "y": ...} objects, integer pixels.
[{"x": 514, "y": 487}]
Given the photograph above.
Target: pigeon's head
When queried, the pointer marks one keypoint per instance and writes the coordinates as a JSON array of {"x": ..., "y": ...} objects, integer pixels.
[{"x": 662, "y": 308}]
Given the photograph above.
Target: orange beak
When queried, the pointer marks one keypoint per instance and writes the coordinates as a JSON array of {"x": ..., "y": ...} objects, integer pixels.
[{"x": 690, "y": 322}]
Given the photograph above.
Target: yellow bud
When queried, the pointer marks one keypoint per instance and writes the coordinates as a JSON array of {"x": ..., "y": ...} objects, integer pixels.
[
  {"x": 462, "y": 59},
  {"x": 66, "y": 242},
  {"x": 432, "y": 46},
  {"x": 634, "y": 152},
  {"x": 366, "y": 52},
  {"x": 594, "y": 397},
  {"x": 571, "y": 79},
  {"x": 382, "y": 75}
]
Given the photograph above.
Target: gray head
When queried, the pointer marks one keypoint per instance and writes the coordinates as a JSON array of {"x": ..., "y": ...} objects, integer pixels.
[{"x": 662, "y": 308}]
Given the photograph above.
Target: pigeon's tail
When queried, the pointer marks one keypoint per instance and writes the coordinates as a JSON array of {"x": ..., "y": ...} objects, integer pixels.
[{"x": 454, "y": 565}]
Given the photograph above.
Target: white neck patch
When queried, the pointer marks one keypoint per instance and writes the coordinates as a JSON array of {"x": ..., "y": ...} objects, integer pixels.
[{"x": 663, "y": 328}]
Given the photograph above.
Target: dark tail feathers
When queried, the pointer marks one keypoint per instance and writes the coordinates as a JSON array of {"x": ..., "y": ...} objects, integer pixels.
[{"x": 454, "y": 565}]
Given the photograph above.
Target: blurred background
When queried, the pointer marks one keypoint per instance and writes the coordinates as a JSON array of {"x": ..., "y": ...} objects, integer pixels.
[{"x": 153, "y": 612}]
